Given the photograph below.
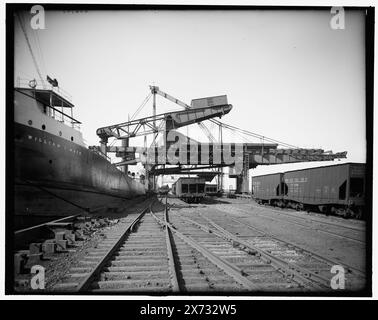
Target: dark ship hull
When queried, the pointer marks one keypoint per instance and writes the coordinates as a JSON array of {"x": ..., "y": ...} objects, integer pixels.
[{"x": 56, "y": 177}]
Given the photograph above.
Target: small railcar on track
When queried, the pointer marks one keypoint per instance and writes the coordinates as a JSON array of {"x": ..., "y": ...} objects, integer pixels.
[
  {"x": 191, "y": 190},
  {"x": 212, "y": 190}
]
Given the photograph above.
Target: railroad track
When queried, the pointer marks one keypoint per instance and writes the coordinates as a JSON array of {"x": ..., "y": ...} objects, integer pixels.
[
  {"x": 160, "y": 250},
  {"x": 143, "y": 254},
  {"x": 310, "y": 224},
  {"x": 257, "y": 273},
  {"x": 152, "y": 253},
  {"x": 315, "y": 218},
  {"x": 283, "y": 255},
  {"x": 331, "y": 221},
  {"x": 103, "y": 263}
]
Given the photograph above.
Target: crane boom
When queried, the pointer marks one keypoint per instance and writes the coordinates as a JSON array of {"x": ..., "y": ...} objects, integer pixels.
[
  {"x": 156, "y": 90},
  {"x": 176, "y": 119}
]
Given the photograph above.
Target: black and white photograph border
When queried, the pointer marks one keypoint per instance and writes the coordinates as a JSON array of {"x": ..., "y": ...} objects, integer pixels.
[{"x": 188, "y": 150}]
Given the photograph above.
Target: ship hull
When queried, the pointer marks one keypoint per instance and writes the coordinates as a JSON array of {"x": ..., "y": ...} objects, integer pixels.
[{"x": 55, "y": 177}]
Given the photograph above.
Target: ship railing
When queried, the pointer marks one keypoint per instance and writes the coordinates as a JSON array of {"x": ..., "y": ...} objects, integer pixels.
[
  {"x": 50, "y": 110},
  {"x": 62, "y": 117},
  {"x": 76, "y": 126},
  {"x": 42, "y": 85}
]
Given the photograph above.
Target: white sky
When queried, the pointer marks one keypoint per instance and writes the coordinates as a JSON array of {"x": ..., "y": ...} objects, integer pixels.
[{"x": 288, "y": 75}]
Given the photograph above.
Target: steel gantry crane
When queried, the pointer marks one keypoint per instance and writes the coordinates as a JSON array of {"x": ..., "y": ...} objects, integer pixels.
[
  {"x": 169, "y": 121},
  {"x": 155, "y": 90},
  {"x": 265, "y": 153}
]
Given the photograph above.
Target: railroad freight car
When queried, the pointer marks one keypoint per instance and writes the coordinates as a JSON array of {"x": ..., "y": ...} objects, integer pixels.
[
  {"x": 212, "y": 190},
  {"x": 189, "y": 189},
  {"x": 336, "y": 189},
  {"x": 268, "y": 188}
]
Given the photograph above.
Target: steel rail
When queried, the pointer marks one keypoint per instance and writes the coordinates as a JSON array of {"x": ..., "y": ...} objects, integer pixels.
[
  {"x": 227, "y": 267},
  {"x": 304, "y": 274},
  {"x": 171, "y": 258},
  {"x": 219, "y": 233},
  {"x": 313, "y": 228},
  {"x": 330, "y": 261},
  {"x": 300, "y": 273},
  {"x": 87, "y": 281},
  {"x": 309, "y": 219}
]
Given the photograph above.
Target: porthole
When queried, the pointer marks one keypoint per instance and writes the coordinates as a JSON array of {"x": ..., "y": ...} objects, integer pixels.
[
  {"x": 43, "y": 127},
  {"x": 50, "y": 161},
  {"x": 30, "y": 122},
  {"x": 71, "y": 138},
  {"x": 60, "y": 133}
]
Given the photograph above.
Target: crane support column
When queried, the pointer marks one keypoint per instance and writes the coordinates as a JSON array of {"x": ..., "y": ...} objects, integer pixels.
[
  {"x": 103, "y": 146},
  {"x": 154, "y": 106},
  {"x": 125, "y": 144},
  {"x": 220, "y": 176},
  {"x": 242, "y": 181}
]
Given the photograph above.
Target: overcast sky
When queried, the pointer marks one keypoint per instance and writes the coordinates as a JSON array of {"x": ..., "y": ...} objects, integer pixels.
[{"x": 288, "y": 75}]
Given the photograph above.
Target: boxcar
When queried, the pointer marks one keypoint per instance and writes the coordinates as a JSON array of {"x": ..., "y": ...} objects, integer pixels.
[
  {"x": 189, "y": 189},
  {"x": 268, "y": 188},
  {"x": 338, "y": 189}
]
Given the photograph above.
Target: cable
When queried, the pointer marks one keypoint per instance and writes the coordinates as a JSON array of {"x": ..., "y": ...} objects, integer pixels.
[
  {"x": 227, "y": 126},
  {"x": 249, "y": 133},
  {"x": 141, "y": 106},
  {"x": 39, "y": 56},
  {"x": 24, "y": 73},
  {"x": 55, "y": 195},
  {"x": 241, "y": 136},
  {"x": 40, "y": 51},
  {"x": 29, "y": 46}
]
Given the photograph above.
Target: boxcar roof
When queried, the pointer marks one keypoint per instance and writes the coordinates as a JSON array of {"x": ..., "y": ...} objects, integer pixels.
[
  {"x": 331, "y": 165},
  {"x": 194, "y": 178},
  {"x": 266, "y": 175}
]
